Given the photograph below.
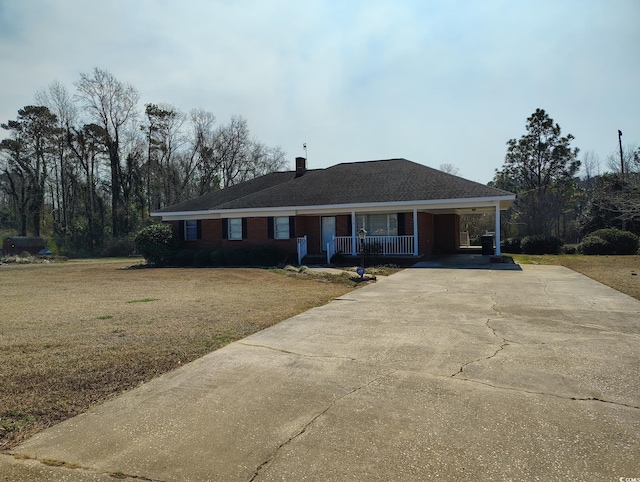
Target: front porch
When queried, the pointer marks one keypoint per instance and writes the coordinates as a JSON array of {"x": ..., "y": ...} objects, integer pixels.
[
  {"x": 373, "y": 246},
  {"x": 411, "y": 233}
]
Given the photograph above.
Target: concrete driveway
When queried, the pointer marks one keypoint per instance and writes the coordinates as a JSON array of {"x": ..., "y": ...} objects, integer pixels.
[{"x": 450, "y": 374}]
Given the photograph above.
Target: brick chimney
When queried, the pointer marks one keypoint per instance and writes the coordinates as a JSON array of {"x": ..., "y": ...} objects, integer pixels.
[{"x": 301, "y": 166}]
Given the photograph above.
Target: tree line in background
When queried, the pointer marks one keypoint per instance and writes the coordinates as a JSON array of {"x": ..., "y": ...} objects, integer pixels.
[
  {"x": 86, "y": 168},
  {"x": 559, "y": 196}
]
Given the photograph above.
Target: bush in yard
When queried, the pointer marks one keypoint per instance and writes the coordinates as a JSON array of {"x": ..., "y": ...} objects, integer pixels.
[
  {"x": 511, "y": 245},
  {"x": 202, "y": 257},
  {"x": 263, "y": 255},
  {"x": 184, "y": 257},
  {"x": 236, "y": 257},
  {"x": 594, "y": 245},
  {"x": 338, "y": 258},
  {"x": 619, "y": 242},
  {"x": 216, "y": 258},
  {"x": 157, "y": 243},
  {"x": 372, "y": 247},
  {"x": 267, "y": 255},
  {"x": 541, "y": 244}
]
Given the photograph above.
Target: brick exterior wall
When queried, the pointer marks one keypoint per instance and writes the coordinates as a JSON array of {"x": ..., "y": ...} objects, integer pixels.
[
  {"x": 408, "y": 224},
  {"x": 174, "y": 225},
  {"x": 314, "y": 233},
  {"x": 447, "y": 233},
  {"x": 436, "y": 233},
  {"x": 425, "y": 233},
  {"x": 211, "y": 234},
  {"x": 343, "y": 225},
  {"x": 257, "y": 234}
]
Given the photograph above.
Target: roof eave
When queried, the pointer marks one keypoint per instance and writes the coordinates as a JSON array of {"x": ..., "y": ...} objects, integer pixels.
[{"x": 503, "y": 201}]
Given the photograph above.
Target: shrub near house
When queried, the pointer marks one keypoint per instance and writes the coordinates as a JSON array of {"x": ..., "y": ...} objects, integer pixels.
[
  {"x": 609, "y": 241},
  {"x": 540, "y": 244},
  {"x": 512, "y": 245},
  {"x": 157, "y": 243},
  {"x": 160, "y": 247}
]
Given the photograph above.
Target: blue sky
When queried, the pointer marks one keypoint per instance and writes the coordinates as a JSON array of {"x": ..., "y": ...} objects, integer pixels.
[{"x": 432, "y": 81}]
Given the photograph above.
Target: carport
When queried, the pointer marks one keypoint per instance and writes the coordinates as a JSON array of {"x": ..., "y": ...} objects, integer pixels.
[{"x": 448, "y": 231}]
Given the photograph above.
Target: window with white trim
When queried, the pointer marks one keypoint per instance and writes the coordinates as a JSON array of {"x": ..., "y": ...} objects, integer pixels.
[
  {"x": 281, "y": 227},
  {"x": 235, "y": 228},
  {"x": 378, "y": 224},
  {"x": 191, "y": 230}
]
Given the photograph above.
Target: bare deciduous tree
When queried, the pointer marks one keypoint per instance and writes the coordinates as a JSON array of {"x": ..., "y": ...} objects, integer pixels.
[
  {"x": 630, "y": 160},
  {"x": 201, "y": 158},
  {"x": 98, "y": 153},
  {"x": 590, "y": 166},
  {"x": 449, "y": 169},
  {"x": 112, "y": 105},
  {"x": 59, "y": 101}
]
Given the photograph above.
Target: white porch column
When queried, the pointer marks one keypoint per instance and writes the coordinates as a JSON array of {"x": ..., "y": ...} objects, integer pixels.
[
  {"x": 498, "y": 229},
  {"x": 415, "y": 232},
  {"x": 353, "y": 233}
]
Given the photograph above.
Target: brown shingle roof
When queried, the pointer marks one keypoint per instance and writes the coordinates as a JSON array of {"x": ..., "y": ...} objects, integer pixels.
[{"x": 392, "y": 180}]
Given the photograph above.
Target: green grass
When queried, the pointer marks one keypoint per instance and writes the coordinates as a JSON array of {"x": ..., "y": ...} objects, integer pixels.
[
  {"x": 548, "y": 259},
  {"x": 13, "y": 420}
]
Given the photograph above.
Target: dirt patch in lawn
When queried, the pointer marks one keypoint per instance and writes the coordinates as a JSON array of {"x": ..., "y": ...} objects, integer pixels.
[
  {"x": 619, "y": 272},
  {"x": 75, "y": 334}
]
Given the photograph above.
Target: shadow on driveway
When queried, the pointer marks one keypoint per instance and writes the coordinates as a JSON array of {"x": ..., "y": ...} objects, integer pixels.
[{"x": 467, "y": 261}]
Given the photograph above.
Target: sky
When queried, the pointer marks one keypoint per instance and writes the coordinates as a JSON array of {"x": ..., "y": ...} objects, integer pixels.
[{"x": 434, "y": 81}]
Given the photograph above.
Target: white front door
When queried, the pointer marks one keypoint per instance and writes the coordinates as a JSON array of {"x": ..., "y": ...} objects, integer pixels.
[{"x": 328, "y": 230}]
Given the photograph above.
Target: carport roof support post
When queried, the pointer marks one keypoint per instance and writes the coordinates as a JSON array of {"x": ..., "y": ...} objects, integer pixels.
[{"x": 498, "y": 229}]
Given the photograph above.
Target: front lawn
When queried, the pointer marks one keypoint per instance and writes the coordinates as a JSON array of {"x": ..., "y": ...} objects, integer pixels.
[{"x": 74, "y": 334}]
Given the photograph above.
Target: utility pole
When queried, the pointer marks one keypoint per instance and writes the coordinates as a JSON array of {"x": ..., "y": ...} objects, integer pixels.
[{"x": 621, "y": 157}]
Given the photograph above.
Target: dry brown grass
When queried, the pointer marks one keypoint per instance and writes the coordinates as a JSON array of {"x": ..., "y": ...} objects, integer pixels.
[
  {"x": 619, "y": 272},
  {"x": 74, "y": 334}
]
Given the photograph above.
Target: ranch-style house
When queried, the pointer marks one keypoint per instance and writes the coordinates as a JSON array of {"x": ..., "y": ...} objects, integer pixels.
[{"x": 406, "y": 208}]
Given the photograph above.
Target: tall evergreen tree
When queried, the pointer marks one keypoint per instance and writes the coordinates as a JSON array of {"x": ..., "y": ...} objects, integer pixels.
[
  {"x": 26, "y": 162},
  {"x": 540, "y": 168}
]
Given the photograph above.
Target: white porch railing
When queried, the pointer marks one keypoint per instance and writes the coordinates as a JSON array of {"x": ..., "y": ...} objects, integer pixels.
[
  {"x": 331, "y": 249},
  {"x": 302, "y": 249},
  {"x": 342, "y": 244},
  {"x": 384, "y": 245}
]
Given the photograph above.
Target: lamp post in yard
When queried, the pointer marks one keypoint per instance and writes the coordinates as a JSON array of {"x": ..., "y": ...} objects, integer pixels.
[{"x": 362, "y": 233}]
